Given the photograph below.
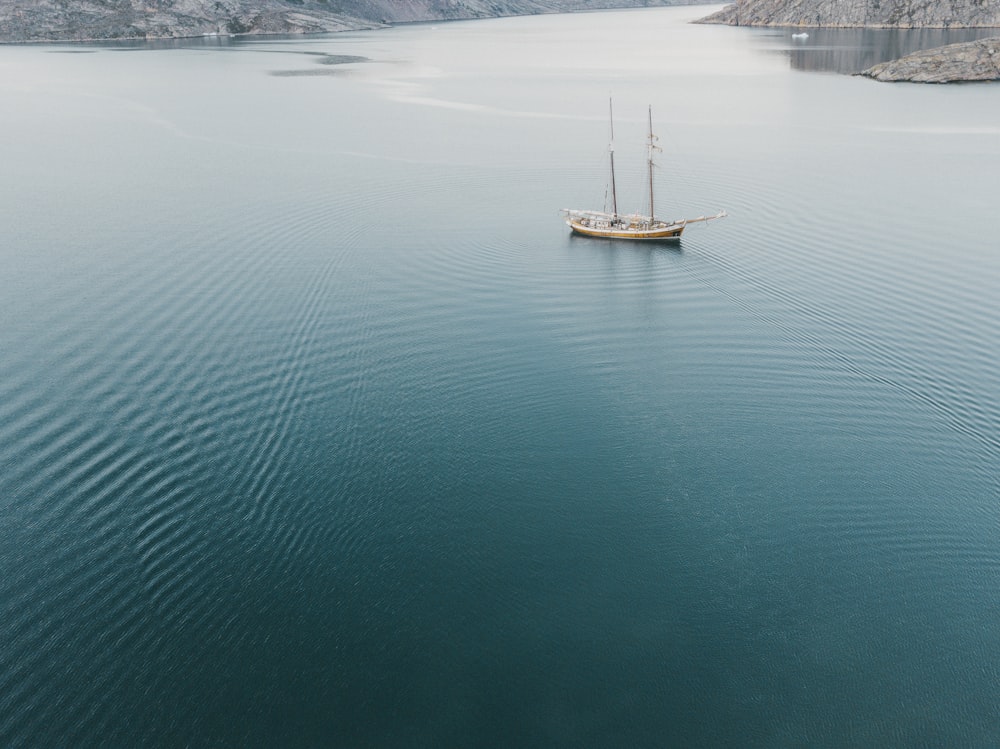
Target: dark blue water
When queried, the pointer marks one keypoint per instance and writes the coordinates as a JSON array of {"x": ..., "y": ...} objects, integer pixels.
[{"x": 317, "y": 428}]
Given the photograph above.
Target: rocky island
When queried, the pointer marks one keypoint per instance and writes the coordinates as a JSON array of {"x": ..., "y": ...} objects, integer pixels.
[
  {"x": 969, "y": 61},
  {"x": 82, "y": 20}
]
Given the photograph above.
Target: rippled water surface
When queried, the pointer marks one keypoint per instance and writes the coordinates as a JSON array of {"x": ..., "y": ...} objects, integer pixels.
[{"x": 317, "y": 428}]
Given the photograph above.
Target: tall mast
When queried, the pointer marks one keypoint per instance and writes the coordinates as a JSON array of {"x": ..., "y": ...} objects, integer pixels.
[
  {"x": 652, "y": 148},
  {"x": 611, "y": 150}
]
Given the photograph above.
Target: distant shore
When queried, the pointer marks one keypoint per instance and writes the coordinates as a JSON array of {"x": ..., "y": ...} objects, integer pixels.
[
  {"x": 962, "y": 62},
  {"x": 53, "y": 21},
  {"x": 852, "y": 14}
]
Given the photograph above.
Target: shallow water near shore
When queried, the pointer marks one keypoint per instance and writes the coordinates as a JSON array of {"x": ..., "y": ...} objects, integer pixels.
[{"x": 317, "y": 427}]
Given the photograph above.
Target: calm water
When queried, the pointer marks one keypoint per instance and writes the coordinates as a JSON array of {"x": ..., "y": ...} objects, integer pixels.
[
  {"x": 854, "y": 50},
  {"x": 318, "y": 429}
]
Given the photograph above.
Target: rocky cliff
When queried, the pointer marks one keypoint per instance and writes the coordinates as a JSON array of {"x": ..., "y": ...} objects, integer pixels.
[
  {"x": 969, "y": 61},
  {"x": 49, "y": 20},
  {"x": 52, "y": 20},
  {"x": 901, "y": 14}
]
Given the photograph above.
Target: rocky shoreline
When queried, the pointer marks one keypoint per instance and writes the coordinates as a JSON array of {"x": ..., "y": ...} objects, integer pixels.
[
  {"x": 872, "y": 14},
  {"x": 968, "y": 61},
  {"x": 102, "y": 20}
]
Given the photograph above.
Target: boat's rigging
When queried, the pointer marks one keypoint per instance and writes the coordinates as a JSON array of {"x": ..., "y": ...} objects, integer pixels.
[
  {"x": 652, "y": 149},
  {"x": 644, "y": 181},
  {"x": 636, "y": 225},
  {"x": 611, "y": 151}
]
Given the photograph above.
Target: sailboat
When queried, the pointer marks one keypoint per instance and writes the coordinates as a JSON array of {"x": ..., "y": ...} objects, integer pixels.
[{"x": 615, "y": 225}]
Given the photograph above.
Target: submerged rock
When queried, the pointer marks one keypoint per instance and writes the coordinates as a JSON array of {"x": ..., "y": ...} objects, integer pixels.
[{"x": 968, "y": 61}]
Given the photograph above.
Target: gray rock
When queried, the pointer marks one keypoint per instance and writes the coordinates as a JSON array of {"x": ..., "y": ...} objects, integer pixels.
[
  {"x": 73, "y": 20},
  {"x": 890, "y": 14},
  {"x": 969, "y": 61},
  {"x": 79, "y": 20}
]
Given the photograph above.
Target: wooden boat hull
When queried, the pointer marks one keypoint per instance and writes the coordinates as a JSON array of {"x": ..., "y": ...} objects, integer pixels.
[{"x": 666, "y": 232}]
